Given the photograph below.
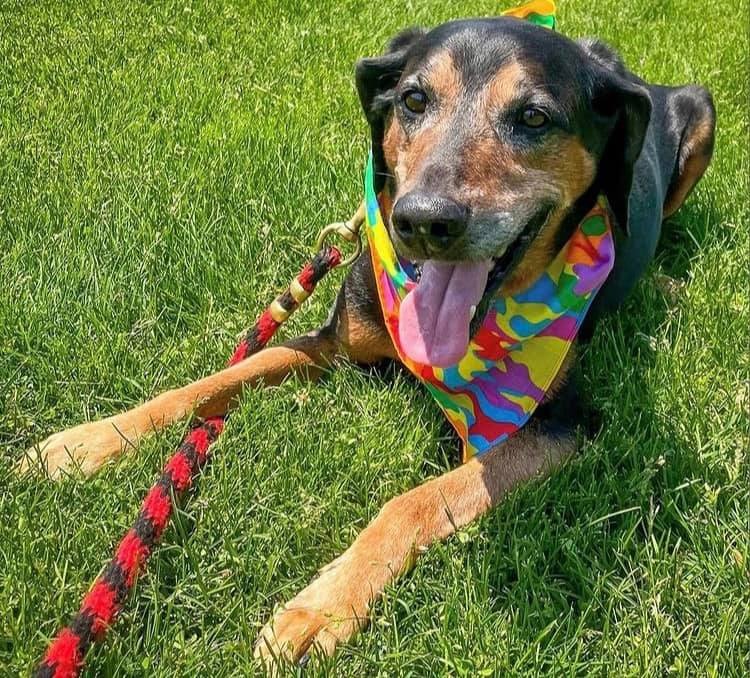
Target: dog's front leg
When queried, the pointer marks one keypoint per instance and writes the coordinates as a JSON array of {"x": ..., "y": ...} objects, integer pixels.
[
  {"x": 354, "y": 330},
  {"x": 336, "y": 604},
  {"x": 90, "y": 445},
  {"x": 348, "y": 334}
]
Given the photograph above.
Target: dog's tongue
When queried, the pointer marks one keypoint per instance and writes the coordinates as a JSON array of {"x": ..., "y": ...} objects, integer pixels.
[{"x": 435, "y": 316}]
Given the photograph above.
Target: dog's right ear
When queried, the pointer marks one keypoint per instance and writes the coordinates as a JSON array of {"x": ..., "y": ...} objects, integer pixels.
[{"x": 376, "y": 78}]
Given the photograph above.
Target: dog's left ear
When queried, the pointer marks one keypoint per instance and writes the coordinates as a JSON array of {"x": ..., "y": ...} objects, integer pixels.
[
  {"x": 627, "y": 107},
  {"x": 376, "y": 78}
]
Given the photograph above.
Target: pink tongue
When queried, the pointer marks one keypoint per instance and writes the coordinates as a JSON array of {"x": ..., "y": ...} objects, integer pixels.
[{"x": 435, "y": 315}]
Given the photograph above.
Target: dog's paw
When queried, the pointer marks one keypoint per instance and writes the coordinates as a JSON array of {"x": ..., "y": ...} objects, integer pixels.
[
  {"x": 327, "y": 613},
  {"x": 86, "y": 448}
]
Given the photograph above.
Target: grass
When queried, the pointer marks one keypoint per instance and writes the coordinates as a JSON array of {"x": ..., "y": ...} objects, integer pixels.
[{"x": 163, "y": 170}]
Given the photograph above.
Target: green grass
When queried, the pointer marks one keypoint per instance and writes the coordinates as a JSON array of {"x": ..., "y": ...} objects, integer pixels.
[{"x": 164, "y": 168}]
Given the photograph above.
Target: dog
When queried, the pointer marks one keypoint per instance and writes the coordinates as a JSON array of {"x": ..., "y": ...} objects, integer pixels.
[{"x": 492, "y": 137}]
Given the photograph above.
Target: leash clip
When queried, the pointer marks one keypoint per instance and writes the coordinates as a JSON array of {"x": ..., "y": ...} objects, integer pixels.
[{"x": 349, "y": 231}]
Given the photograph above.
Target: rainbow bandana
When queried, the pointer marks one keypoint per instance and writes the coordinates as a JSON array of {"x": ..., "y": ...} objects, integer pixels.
[{"x": 515, "y": 355}]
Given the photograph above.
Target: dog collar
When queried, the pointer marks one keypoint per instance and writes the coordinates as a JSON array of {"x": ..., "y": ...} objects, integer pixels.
[{"x": 518, "y": 350}]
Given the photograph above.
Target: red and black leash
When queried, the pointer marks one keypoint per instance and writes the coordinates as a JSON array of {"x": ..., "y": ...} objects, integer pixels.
[{"x": 65, "y": 656}]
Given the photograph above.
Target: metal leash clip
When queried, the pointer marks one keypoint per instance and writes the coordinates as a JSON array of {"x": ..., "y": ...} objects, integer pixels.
[{"x": 349, "y": 231}]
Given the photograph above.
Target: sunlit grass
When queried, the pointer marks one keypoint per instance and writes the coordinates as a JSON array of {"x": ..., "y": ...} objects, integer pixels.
[{"x": 163, "y": 170}]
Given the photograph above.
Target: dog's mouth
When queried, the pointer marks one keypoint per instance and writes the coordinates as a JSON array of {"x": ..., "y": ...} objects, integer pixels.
[{"x": 447, "y": 307}]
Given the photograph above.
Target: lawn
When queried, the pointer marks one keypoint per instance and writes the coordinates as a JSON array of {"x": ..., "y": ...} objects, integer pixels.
[{"x": 164, "y": 168}]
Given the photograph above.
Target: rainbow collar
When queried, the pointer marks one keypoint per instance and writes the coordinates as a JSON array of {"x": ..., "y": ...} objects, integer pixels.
[{"x": 519, "y": 348}]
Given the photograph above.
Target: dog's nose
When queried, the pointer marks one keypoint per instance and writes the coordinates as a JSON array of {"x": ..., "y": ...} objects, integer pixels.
[{"x": 436, "y": 221}]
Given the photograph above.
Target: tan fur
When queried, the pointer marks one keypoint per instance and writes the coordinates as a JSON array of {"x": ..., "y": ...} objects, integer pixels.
[
  {"x": 406, "y": 155},
  {"x": 394, "y": 142},
  {"x": 363, "y": 343},
  {"x": 495, "y": 176},
  {"x": 695, "y": 156},
  {"x": 563, "y": 163},
  {"x": 503, "y": 88},
  {"x": 445, "y": 81},
  {"x": 336, "y": 605},
  {"x": 492, "y": 177}
]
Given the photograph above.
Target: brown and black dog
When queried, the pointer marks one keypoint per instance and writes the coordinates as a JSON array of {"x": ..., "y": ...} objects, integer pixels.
[{"x": 494, "y": 138}]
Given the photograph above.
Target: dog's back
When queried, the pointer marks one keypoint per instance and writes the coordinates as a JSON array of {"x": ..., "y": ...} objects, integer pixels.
[{"x": 676, "y": 151}]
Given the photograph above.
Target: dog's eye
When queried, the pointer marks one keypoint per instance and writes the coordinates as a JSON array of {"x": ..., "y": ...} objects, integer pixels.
[
  {"x": 534, "y": 118},
  {"x": 415, "y": 101}
]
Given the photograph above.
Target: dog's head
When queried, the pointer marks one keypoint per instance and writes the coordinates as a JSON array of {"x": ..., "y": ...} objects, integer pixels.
[{"x": 493, "y": 137}]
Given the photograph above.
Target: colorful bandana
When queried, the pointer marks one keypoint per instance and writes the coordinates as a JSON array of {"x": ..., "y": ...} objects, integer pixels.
[{"x": 522, "y": 342}]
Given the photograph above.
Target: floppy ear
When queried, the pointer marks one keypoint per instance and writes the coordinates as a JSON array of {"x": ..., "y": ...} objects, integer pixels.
[
  {"x": 628, "y": 106},
  {"x": 376, "y": 78}
]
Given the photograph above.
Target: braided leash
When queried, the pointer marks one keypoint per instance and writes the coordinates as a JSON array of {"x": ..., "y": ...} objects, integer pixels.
[{"x": 65, "y": 656}]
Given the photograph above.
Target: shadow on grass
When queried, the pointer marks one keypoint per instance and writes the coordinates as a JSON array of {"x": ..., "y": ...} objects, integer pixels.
[{"x": 685, "y": 233}]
